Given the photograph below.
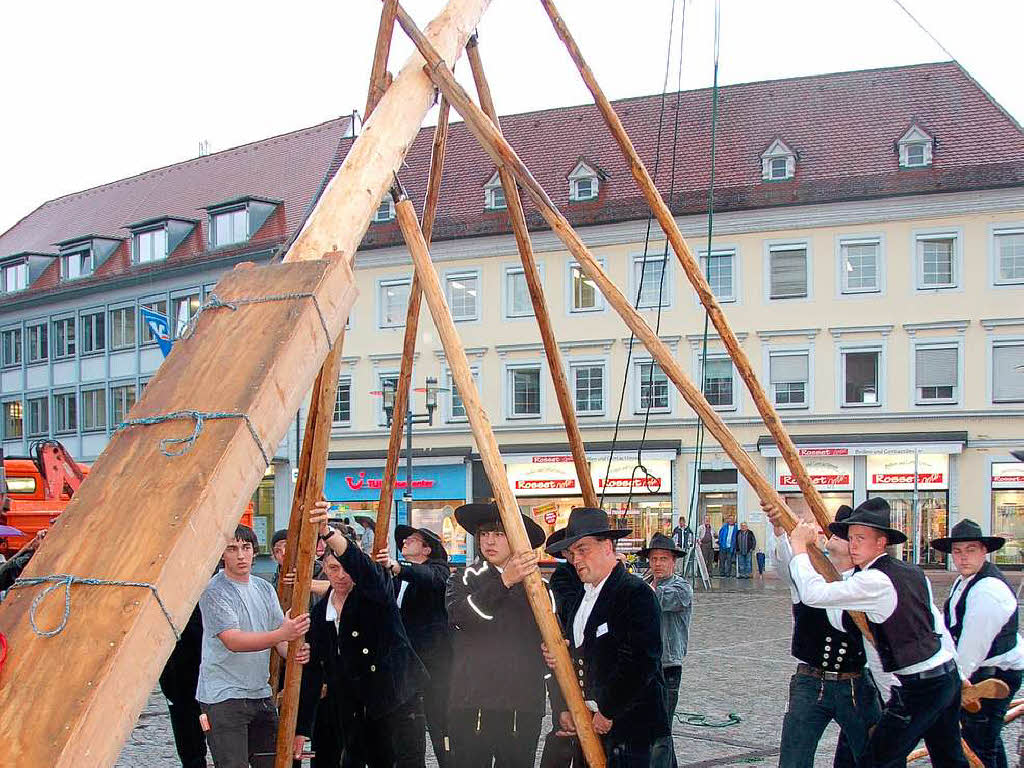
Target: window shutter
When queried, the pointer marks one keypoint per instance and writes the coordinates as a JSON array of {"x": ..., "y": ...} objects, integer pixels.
[
  {"x": 1008, "y": 373},
  {"x": 937, "y": 367},
  {"x": 788, "y": 273},
  {"x": 787, "y": 368}
]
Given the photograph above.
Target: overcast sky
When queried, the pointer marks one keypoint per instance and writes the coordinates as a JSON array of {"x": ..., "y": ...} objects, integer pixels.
[{"x": 98, "y": 91}]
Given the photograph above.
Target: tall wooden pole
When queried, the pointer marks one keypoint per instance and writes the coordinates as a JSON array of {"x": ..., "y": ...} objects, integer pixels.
[
  {"x": 412, "y": 324},
  {"x": 536, "y": 591},
  {"x": 533, "y": 282},
  {"x": 503, "y": 155},
  {"x": 695, "y": 275}
]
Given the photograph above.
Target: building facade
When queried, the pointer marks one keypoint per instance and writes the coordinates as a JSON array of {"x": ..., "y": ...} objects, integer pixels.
[{"x": 868, "y": 249}]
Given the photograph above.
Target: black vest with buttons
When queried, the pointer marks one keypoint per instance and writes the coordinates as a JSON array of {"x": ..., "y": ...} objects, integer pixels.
[
  {"x": 908, "y": 636},
  {"x": 1006, "y": 639},
  {"x": 818, "y": 643}
]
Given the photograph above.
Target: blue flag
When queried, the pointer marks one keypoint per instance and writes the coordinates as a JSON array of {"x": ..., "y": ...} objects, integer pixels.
[{"x": 159, "y": 328}]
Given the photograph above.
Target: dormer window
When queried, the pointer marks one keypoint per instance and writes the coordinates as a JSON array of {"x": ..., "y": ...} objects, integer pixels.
[
  {"x": 15, "y": 276},
  {"x": 82, "y": 256},
  {"x": 584, "y": 182},
  {"x": 150, "y": 245},
  {"x": 385, "y": 211},
  {"x": 915, "y": 147},
  {"x": 778, "y": 163},
  {"x": 235, "y": 221},
  {"x": 494, "y": 194},
  {"x": 76, "y": 264},
  {"x": 156, "y": 239}
]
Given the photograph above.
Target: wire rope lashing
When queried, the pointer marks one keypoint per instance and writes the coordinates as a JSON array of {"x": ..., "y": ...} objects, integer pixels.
[{"x": 199, "y": 417}]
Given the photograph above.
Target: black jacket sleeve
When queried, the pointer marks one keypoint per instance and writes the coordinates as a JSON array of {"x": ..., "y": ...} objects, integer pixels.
[
  {"x": 638, "y": 654},
  {"x": 371, "y": 579},
  {"x": 431, "y": 575}
]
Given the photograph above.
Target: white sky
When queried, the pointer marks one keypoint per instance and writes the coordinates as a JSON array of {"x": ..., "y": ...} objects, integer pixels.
[{"x": 98, "y": 91}]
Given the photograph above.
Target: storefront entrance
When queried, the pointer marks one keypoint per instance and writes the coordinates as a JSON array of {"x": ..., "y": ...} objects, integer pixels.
[
  {"x": 1008, "y": 512},
  {"x": 919, "y": 502}
]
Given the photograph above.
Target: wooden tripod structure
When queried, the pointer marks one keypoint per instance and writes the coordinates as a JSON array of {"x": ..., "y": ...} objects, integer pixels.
[{"x": 151, "y": 526}]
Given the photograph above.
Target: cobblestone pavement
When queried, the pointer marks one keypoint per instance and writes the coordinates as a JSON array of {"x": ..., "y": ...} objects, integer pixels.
[{"x": 738, "y": 662}]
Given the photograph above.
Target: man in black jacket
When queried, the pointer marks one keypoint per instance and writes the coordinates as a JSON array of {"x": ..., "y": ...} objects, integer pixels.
[
  {"x": 419, "y": 586},
  {"x": 359, "y": 648},
  {"x": 498, "y": 703},
  {"x": 614, "y": 632}
]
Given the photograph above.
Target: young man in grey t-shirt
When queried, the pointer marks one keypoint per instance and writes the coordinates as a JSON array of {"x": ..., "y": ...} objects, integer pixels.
[{"x": 242, "y": 621}]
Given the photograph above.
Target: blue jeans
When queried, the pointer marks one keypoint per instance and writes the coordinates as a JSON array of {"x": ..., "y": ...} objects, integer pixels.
[
  {"x": 726, "y": 558},
  {"x": 745, "y": 565},
  {"x": 813, "y": 703},
  {"x": 983, "y": 730}
]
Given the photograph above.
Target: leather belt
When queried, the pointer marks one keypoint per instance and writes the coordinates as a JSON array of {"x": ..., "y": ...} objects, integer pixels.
[
  {"x": 983, "y": 672},
  {"x": 938, "y": 671},
  {"x": 824, "y": 674}
]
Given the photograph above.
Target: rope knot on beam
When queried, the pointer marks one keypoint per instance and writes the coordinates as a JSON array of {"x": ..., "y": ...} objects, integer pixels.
[{"x": 182, "y": 445}]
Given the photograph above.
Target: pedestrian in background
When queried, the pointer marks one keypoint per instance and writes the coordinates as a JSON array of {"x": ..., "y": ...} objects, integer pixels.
[
  {"x": 727, "y": 547},
  {"x": 706, "y": 542},
  {"x": 746, "y": 543}
]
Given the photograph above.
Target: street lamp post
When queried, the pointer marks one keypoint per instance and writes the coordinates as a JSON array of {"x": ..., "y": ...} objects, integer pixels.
[{"x": 430, "y": 398}]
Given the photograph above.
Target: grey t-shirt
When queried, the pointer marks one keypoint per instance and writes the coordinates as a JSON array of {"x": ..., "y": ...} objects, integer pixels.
[{"x": 250, "y": 607}]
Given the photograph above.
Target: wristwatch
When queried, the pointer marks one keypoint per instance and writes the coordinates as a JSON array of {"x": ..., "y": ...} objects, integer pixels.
[{"x": 326, "y": 536}]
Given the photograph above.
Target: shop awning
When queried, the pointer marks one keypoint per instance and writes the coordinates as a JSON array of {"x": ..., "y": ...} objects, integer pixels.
[{"x": 869, "y": 443}]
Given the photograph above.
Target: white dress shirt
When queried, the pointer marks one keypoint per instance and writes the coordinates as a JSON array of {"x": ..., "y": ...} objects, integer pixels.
[
  {"x": 868, "y": 590},
  {"x": 989, "y": 606},
  {"x": 590, "y": 594}
]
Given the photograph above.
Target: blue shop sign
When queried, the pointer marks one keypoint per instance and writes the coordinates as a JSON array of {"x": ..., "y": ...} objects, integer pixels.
[{"x": 430, "y": 482}]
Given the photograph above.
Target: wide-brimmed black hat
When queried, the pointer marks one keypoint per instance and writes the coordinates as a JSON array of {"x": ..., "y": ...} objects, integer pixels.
[
  {"x": 586, "y": 521},
  {"x": 554, "y": 538},
  {"x": 363, "y": 520},
  {"x": 661, "y": 541},
  {"x": 873, "y": 513},
  {"x": 472, "y": 516},
  {"x": 843, "y": 512},
  {"x": 431, "y": 539},
  {"x": 967, "y": 530}
]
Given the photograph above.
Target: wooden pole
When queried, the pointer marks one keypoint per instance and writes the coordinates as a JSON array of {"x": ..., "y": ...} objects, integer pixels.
[
  {"x": 503, "y": 155},
  {"x": 379, "y": 69},
  {"x": 691, "y": 267},
  {"x": 412, "y": 324},
  {"x": 536, "y": 591},
  {"x": 533, "y": 282}
]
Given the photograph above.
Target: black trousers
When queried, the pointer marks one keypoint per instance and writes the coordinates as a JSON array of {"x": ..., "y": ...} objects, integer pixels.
[
  {"x": 663, "y": 753},
  {"x": 396, "y": 740},
  {"x": 558, "y": 750},
  {"x": 983, "y": 731},
  {"x": 435, "y": 709},
  {"x": 477, "y": 735},
  {"x": 928, "y": 709},
  {"x": 328, "y": 745},
  {"x": 189, "y": 740}
]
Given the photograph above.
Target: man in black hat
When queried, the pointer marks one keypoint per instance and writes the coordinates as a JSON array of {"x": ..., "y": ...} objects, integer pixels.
[
  {"x": 981, "y": 614},
  {"x": 498, "y": 704},
  {"x": 675, "y": 596},
  {"x": 831, "y": 682},
  {"x": 614, "y": 632},
  {"x": 420, "y": 585},
  {"x": 897, "y": 600}
]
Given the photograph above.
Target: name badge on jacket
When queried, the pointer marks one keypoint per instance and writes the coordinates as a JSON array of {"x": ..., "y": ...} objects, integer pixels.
[{"x": 602, "y": 630}]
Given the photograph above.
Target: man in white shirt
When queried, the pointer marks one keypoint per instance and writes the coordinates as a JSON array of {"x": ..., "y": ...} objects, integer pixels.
[
  {"x": 897, "y": 601},
  {"x": 981, "y": 614}
]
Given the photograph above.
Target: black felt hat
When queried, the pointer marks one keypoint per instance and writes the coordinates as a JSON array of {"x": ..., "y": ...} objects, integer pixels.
[
  {"x": 661, "y": 541},
  {"x": 437, "y": 550},
  {"x": 967, "y": 530},
  {"x": 873, "y": 513},
  {"x": 843, "y": 513},
  {"x": 586, "y": 521},
  {"x": 472, "y": 516},
  {"x": 554, "y": 538}
]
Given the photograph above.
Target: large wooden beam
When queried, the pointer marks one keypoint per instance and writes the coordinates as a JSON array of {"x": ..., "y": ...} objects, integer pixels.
[
  {"x": 691, "y": 267},
  {"x": 535, "y": 285},
  {"x": 536, "y": 591}
]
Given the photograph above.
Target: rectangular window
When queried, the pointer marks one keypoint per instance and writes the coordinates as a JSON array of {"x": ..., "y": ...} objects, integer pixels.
[
  {"x": 385, "y": 211},
  {"x": 1008, "y": 373},
  {"x": 15, "y": 277},
  {"x": 788, "y": 377},
  {"x": 936, "y": 373},
  {"x": 718, "y": 384},
  {"x": 936, "y": 261},
  {"x": 229, "y": 227},
  {"x": 524, "y": 387},
  {"x": 860, "y": 378},
  {"x": 915, "y": 154},
  {"x": 12, "y": 347},
  {"x": 38, "y": 348},
  {"x": 343, "y": 402},
  {"x": 588, "y": 386},
  {"x": 494, "y": 198},
  {"x": 650, "y": 281},
  {"x": 13, "y": 420},
  {"x": 385, "y": 381},
  {"x": 122, "y": 328},
  {"x": 778, "y": 168},
  {"x": 458, "y": 408},
  {"x": 65, "y": 413},
  {"x": 394, "y": 302},
  {"x": 151, "y": 245},
  {"x": 38, "y": 416},
  {"x": 463, "y": 295},
  {"x": 653, "y": 388},
  {"x": 859, "y": 266},
  {"x": 94, "y": 410},
  {"x": 517, "y": 294},
  {"x": 183, "y": 309},
  {"x": 1009, "y": 248},
  {"x": 156, "y": 306},
  {"x": 787, "y": 267},
  {"x": 75, "y": 265},
  {"x": 122, "y": 399},
  {"x": 64, "y": 338},
  {"x": 719, "y": 269},
  {"x": 584, "y": 188},
  {"x": 94, "y": 335},
  {"x": 585, "y": 295}
]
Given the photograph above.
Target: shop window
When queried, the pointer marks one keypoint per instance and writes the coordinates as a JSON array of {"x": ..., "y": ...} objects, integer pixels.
[
  {"x": 936, "y": 372},
  {"x": 517, "y": 294},
  {"x": 122, "y": 328},
  {"x": 588, "y": 388},
  {"x": 719, "y": 268},
  {"x": 524, "y": 392},
  {"x": 463, "y": 290},
  {"x": 1008, "y": 373},
  {"x": 12, "y": 347},
  {"x": 65, "y": 412},
  {"x": 122, "y": 398},
  {"x": 94, "y": 410},
  {"x": 859, "y": 266},
  {"x": 585, "y": 295},
  {"x": 719, "y": 387},
  {"x": 1009, "y": 254},
  {"x": 936, "y": 261},
  {"x": 64, "y": 338},
  {"x": 38, "y": 416},
  {"x": 1008, "y": 511},
  {"x": 650, "y": 282},
  {"x": 932, "y": 508},
  {"x": 94, "y": 335},
  {"x": 38, "y": 348},
  {"x": 183, "y": 309},
  {"x": 160, "y": 307},
  {"x": 652, "y": 389},
  {"x": 860, "y": 377},
  {"x": 788, "y": 374},
  {"x": 13, "y": 420},
  {"x": 787, "y": 270}
]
